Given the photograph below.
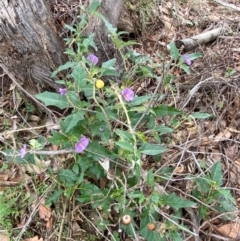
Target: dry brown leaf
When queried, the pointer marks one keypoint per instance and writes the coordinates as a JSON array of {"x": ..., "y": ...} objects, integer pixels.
[
  {"x": 179, "y": 169},
  {"x": 4, "y": 237},
  {"x": 233, "y": 130},
  {"x": 168, "y": 23},
  {"x": 3, "y": 177},
  {"x": 33, "y": 239},
  {"x": 49, "y": 224},
  {"x": 215, "y": 155},
  {"x": 231, "y": 151},
  {"x": 164, "y": 10},
  {"x": 222, "y": 135},
  {"x": 237, "y": 161},
  {"x": 44, "y": 212},
  {"x": 55, "y": 147},
  {"x": 75, "y": 228},
  {"x": 230, "y": 230}
]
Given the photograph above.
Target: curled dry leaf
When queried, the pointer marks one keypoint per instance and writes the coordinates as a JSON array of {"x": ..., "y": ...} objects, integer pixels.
[
  {"x": 44, "y": 212},
  {"x": 49, "y": 224},
  {"x": 230, "y": 230},
  {"x": 179, "y": 169},
  {"x": 222, "y": 135}
]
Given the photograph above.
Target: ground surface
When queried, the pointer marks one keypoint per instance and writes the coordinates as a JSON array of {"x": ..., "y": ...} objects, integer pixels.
[{"x": 213, "y": 86}]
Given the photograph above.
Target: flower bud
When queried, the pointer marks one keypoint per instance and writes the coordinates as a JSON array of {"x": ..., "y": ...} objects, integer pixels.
[
  {"x": 151, "y": 226},
  {"x": 126, "y": 219}
]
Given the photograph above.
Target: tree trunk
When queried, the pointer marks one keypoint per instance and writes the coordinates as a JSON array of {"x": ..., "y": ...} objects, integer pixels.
[
  {"x": 111, "y": 10},
  {"x": 30, "y": 48}
]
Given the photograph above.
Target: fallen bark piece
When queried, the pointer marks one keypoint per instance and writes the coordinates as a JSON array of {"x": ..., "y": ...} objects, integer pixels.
[{"x": 188, "y": 44}]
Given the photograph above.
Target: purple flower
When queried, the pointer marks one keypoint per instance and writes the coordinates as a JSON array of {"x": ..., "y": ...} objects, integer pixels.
[
  {"x": 128, "y": 94},
  {"x": 93, "y": 58},
  {"x": 23, "y": 150},
  {"x": 187, "y": 59},
  {"x": 62, "y": 91},
  {"x": 82, "y": 144}
]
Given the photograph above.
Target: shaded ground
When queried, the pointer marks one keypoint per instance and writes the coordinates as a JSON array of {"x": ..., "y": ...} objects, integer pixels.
[{"x": 212, "y": 87}]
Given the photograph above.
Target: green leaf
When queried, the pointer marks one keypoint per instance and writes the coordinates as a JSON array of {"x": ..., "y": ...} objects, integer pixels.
[
  {"x": 65, "y": 66},
  {"x": 79, "y": 75},
  {"x": 76, "y": 168},
  {"x": 72, "y": 120},
  {"x": 74, "y": 99},
  {"x": 96, "y": 172},
  {"x": 185, "y": 67},
  {"x": 137, "y": 195},
  {"x": 195, "y": 56},
  {"x": 120, "y": 44},
  {"x": 108, "y": 64},
  {"x": 109, "y": 26},
  {"x": 151, "y": 123},
  {"x": 97, "y": 151},
  {"x": 100, "y": 129},
  {"x": 88, "y": 191},
  {"x": 53, "y": 99},
  {"x": 75, "y": 132},
  {"x": 89, "y": 41},
  {"x": 201, "y": 115},
  {"x": 102, "y": 224},
  {"x": 108, "y": 68},
  {"x": 174, "y": 235},
  {"x": 145, "y": 71},
  {"x": 216, "y": 173},
  {"x": 138, "y": 100},
  {"x": 203, "y": 184},
  {"x": 125, "y": 145},
  {"x": 164, "y": 110},
  {"x": 155, "y": 197},
  {"x": 227, "y": 194},
  {"x": 109, "y": 72},
  {"x": 124, "y": 134},
  {"x": 35, "y": 144},
  {"x": 67, "y": 177},
  {"x": 85, "y": 162},
  {"x": 69, "y": 27},
  {"x": 54, "y": 197},
  {"x": 174, "y": 52},
  {"x": 150, "y": 178},
  {"x": 152, "y": 149},
  {"x": 94, "y": 6},
  {"x": 176, "y": 202},
  {"x": 163, "y": 129},
  {"x": 138, "y": 109}
]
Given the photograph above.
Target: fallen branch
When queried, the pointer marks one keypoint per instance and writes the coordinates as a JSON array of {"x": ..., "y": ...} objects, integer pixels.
[
  {"x": 229, "y": 5},
  {"x": 203, "y": 38}
]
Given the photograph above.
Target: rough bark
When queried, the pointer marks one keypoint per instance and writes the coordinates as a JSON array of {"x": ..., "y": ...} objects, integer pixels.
[
  {"x": 111, "y": 9},
  {"x": 30, "y": 48}
]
